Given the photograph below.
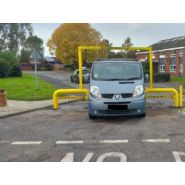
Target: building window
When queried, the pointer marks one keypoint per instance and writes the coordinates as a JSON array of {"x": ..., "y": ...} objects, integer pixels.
[
  {"x": 172, "y": 52},
  {"x": 181, "y": 51},
  {"x": 162, "y": 68},
  {"x": 172, "y": 68},
  {"x": 162, "y": 53}
]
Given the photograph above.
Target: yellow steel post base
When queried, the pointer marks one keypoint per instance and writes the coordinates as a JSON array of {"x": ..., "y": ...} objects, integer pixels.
[
  {"x": 67, "y": 91},
  {"x": 165, "y": 90}
]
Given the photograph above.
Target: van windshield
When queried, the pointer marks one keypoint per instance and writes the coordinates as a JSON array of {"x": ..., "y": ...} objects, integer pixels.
[{"x": 116, "y": 71}]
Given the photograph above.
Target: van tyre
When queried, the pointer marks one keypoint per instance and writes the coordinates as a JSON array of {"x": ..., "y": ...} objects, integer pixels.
[
  {"x": 142, "y": 115},
  {"x": 92, "y": 117}
]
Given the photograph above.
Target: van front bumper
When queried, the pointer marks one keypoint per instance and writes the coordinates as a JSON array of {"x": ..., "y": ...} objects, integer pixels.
[{"x": 99, "y": 106}]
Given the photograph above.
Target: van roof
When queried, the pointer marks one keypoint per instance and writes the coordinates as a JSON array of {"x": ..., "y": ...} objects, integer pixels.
[{"x": 101, "y": 61}]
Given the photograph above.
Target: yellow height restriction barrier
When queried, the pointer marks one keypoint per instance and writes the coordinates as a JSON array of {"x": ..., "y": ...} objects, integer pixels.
[
  {"x": 165, "y": 90},
  {"x": 67, "y": 91},
  {"x": 178, "y": 97}
]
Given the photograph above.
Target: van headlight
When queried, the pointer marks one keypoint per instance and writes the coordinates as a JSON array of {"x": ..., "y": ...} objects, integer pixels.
[
  {"x": 95, "y": 91},
  {"x": 138, "y": 90}
]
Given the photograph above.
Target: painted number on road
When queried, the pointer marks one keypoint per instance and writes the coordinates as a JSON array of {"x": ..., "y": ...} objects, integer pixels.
[
  {"x": 69, "y": 157},
  {"x": 177, "y": 155}
]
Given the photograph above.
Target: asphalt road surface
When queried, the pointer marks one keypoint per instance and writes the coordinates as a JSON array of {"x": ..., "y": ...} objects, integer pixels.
[
  {"x": 59, "y": 79},
  {"x": 67, "y": 134}
]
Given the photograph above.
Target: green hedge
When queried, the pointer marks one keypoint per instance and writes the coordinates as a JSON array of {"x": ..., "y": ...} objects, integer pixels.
[
  {"x": 157, "y": 77},
  {"x": 9, "y": 66},
  {"x": 5, "y": 68},
  {"x": 15, "y": 71},
  {"x": 162, "y": 77}
]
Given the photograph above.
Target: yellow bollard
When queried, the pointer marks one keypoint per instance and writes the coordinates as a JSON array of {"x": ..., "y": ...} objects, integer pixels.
[{"x": 180, "y": 96}]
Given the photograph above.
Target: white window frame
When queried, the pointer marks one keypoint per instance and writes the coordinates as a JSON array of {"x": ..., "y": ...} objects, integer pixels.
[
  {"x": 172, "y": 68},
  {"x": 162, "y": 68}
]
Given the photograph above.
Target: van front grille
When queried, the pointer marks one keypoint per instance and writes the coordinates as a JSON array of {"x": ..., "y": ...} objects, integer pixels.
[
  {"x": 117, "y": 111},
  {"x": 108, "y": 96},
  {"x": 127, "y": 95},
  {"x": 123, "y": 95}
]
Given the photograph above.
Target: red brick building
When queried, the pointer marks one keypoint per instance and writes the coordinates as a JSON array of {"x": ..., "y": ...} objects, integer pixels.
[{"x": 170, "y": 55}]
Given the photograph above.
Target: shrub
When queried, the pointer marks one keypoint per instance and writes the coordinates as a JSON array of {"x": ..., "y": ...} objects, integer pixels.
[
  {"x": 162, "y": 77},
  {"x": 15, "y": 71},
  {"x": 157, "y": 77},
  {"x": 5, "y": 68},
  {"x": 146, "y": 67},
  {"x": 9, "y": 57},
  {"x": 12, "y": 68}
]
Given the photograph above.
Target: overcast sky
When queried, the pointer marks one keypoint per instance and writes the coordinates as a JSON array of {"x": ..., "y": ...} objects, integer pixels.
[{"x": 141, "y": 34}]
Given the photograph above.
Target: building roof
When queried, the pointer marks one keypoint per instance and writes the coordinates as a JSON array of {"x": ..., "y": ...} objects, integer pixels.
[
  {"x": 50, "y": 59},
  {"x": 169, "y": 43}
]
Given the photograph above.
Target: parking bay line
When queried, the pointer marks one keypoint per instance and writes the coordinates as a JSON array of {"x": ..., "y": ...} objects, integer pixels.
[
  {"x": 114, "y": 141},
  {"x": 26, "y": 142},
  {"x": 69, "y": 142},
  {"x": 156, "y": 140}
]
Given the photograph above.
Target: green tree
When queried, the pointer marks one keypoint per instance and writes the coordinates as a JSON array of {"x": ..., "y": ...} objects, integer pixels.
[
  {"x": 9, "y": 57},
  {"x": 128, "y": 53},
  {"x": 36, "y": 43},
  {"x": 25, "y": 56},
  {"x": 31, "y": 43},
  {"x": 66, "y": 39},
  {"x": 13, "y": 35}
]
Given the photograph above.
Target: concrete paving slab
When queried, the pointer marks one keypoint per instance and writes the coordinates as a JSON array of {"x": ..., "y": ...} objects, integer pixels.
[{"x": 19, "y": 107}]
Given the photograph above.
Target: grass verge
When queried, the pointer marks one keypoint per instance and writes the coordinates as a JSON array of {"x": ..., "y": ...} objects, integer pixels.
[
  {"x": 24, "y": 88},
  {"x": 177, "y": 79}
]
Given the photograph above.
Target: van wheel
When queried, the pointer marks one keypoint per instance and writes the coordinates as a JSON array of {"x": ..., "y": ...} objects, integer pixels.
[
  {"x": 142, "y": 115},
  {"x": 92, "y": 117}
]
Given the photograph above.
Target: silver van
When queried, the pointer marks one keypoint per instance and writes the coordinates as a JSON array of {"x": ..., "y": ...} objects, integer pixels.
[{"x": 116, "y": 89}]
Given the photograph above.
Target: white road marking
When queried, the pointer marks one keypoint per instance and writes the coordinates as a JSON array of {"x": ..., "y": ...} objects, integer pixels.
[
  {"x": 69, "y": 142},
  {"x": 177, "y": 155},
  {"x": 69, "y": 157},
  {"x": 122, "y": 156},
  {"x": 26, "y": 142},
  {"x": 88, "y": 157},
  {"x": 114, "y": 141},
  {"x": 156, "y": 140}
]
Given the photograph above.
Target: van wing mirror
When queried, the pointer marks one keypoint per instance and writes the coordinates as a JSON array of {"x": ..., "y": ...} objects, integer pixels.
[{"x": 146, "y": 77}]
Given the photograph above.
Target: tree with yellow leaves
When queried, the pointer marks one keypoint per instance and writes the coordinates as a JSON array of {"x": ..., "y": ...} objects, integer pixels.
[{"x": 67, "y": 37}]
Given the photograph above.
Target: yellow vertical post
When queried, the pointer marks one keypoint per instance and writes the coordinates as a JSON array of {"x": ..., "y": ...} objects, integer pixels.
[
  {"x": 80, "y": 67},
  {"x": 180, "y": 96},
  {"x": 151, "y": 67}
]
